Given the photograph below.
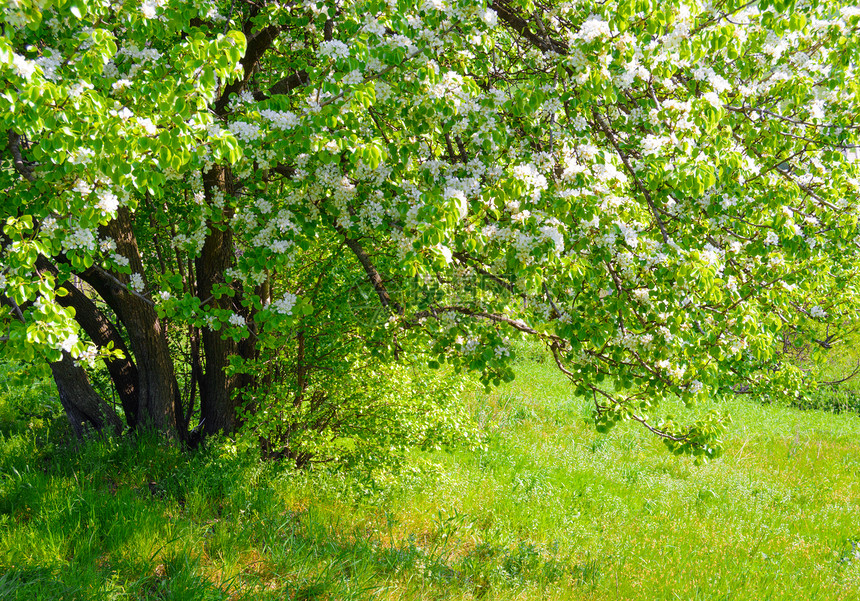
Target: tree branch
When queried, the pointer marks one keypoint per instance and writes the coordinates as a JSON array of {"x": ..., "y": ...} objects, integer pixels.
[
  {"x": 521, "y": 26},
  {"x": 372, "y": 274},
  {"x": 21, "y": 166},
  {"x": 608, "y": 133},
  {"x": 257, "y": 47}
]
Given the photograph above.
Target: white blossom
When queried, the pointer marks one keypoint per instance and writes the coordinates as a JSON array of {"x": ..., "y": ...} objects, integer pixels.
[
  {"x": 333, "y": 49},
  {"x": 23, "y": 67},
  {"x": 108, "y": 202},
  {"x": 490, "y": 17},
  {"x": 68, "y": 343},
  {"x": 284, "y": 305},
  {"x": 593, "y": 28},
  {"x": 136, "y": 282},
  {"x": 280, "y": 120}
]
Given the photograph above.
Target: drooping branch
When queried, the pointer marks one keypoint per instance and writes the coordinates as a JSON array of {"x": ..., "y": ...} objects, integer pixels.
[
  {"x": 467, "y": 259},
  {"x": 823, "y": 126},
  {"x": 495, "y": 317},
  {"x": 853, "y": 373}
]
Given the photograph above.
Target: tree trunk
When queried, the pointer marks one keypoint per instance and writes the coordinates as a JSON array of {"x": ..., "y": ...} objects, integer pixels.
[
  {"x": 158, "y": 390},
  {"x": 102, "y": 331},
  {"x": 218, "y": 402},
  {"x": 85, "y": 409}
]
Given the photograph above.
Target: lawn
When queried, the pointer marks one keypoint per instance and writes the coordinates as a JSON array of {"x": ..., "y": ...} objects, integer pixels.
[{"x": 548, "y": 509}]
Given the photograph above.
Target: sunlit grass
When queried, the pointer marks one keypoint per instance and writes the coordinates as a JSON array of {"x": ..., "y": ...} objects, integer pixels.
[{"x": 549, "y": 510}]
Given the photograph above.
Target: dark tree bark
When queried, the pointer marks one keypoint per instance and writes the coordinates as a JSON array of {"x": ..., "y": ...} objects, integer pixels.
[
  {"x": 158, "y": 391},
  {"x": 219, "y": 392},
  {"x": 85, "y": 409},
  {"x": 100, "y": 329}
]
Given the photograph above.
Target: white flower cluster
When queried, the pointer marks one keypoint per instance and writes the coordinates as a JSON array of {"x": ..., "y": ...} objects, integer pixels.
[
  {"x": 373, "y": 26},
  {"x": 242, "y": 98},
  {"x": 192, "y": 243},
  {"x": 718, "y": 82},
  {"x": 13, "y": 14},
  {"x": 632, "y": 70},
  {"x": 147, "y": 125},
  {"x": 49, "y": 226},
  {"x": 642, "y": 295},
  {"x": 121, "y": 84},
  {"x": 352, "y": 78},
  {"x": 553, "y": 233},
  {"x": 284, "y": 305},
  {"x": 82, "y": 187},
  {"x": 80, "y": 238},
  {"x": 108, "y": 202},
  {"x": 247, "y": 132},
  {"x": 280, "y": 120},
  {"x": 470, "y": 345},
  {"x": 630, "y": 232},
  {"x": 236, "y": 320},
  {"x": 333, "y": 49},
  {"x": 149, "y": 8},
  {"x": 69, "y": 342},
  {"x": 713, "y": 99},
  {"x": 136, "y": 282},
  {"x": 23, "y": 67},
  {"x": 141, "y": 55},
  {"x": 608, "y": 172},
  {"x": 490, "y": 17},
  {"x": 459, "y": 198},
  {"x": 817, "y": 312},
  {"x": 535, "y": 180},
  {"x": 81, "y": 156},
  {"x": 49, "y": 63},
  {"x": 120, "y": 260},
  {"x": 654, "y": 144},
  {"x": 675, "y": 372},
  {"x": 593, "y": 28}
]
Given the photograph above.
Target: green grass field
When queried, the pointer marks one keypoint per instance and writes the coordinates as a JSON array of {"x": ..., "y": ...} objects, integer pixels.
[{"x": 549, "y": 510}]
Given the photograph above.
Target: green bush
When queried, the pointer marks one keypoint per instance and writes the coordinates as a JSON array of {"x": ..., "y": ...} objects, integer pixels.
[{"x": 839, "y": 398}]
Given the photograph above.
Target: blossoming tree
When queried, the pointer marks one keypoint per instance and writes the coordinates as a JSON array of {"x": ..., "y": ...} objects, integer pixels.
[{"x": 240, "y": 204}]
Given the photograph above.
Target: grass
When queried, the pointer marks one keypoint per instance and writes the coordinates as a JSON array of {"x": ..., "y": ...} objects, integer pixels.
[{"x": 549, "y": 510}]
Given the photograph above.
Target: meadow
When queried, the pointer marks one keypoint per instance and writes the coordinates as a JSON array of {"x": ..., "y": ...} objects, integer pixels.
[{"x": 547, "y": 509}]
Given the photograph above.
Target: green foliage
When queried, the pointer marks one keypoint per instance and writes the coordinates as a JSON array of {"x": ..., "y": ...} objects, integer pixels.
[
  {"x": 28, "y": 401},
  {"x": 370, "y": 415},
  {"x": 657, "y": 190},
  {"x": 842, "y": 398}
]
